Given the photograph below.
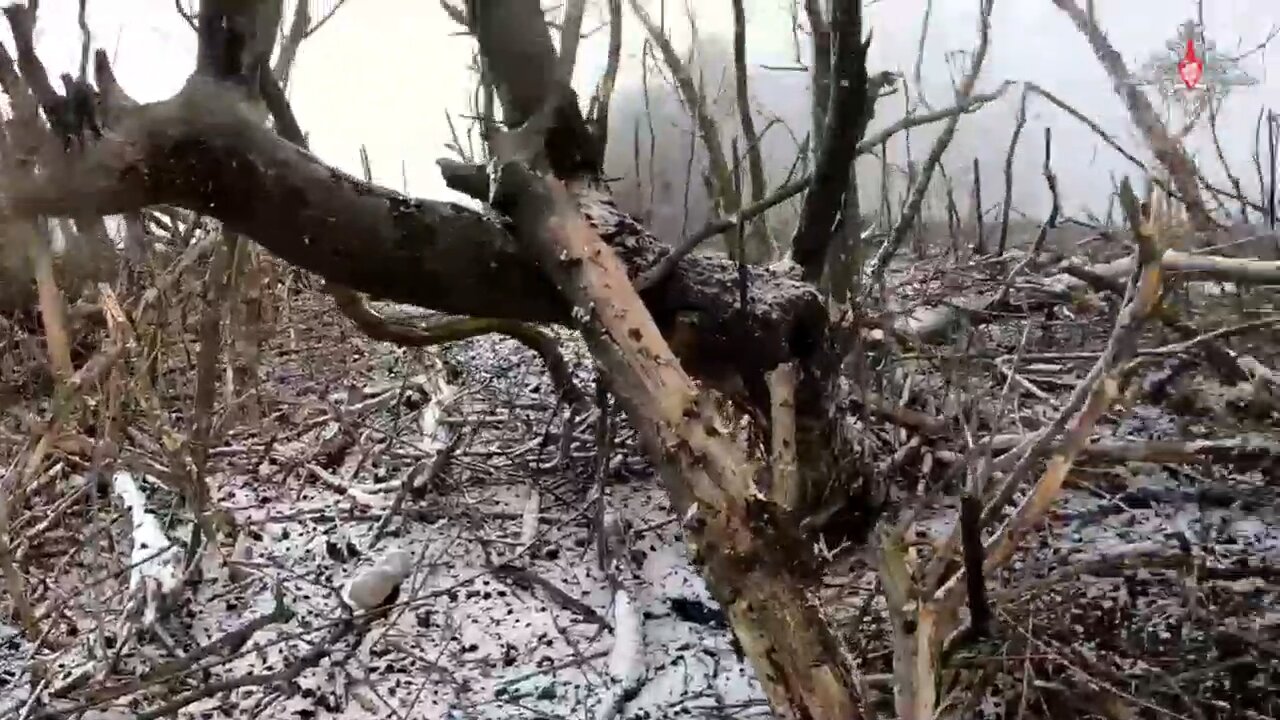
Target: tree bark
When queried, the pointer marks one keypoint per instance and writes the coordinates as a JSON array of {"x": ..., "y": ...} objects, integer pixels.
[
  {"x": 848, "y": 105},
  {"x": 757, "y": 564},
  {"x": 754, "y": 558}
]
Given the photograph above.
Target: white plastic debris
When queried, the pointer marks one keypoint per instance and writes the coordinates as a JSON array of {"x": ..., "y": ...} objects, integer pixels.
[
  {"x": 370, "y": 587},
  {"x": 529, "y": 518},
  {"x": 155, "y": 562}
]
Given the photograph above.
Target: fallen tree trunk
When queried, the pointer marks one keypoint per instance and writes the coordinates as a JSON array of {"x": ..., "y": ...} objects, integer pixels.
[
  {"x": 757, "y": 564},
  {"x": 1213, "y": 267},
  {"x": 201, "y": 151}
]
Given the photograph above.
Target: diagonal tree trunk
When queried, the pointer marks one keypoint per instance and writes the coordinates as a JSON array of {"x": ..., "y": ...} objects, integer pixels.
[{"x": 757, "y": 565}]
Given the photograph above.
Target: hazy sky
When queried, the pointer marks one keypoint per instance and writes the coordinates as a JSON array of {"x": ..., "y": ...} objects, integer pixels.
[{"x": 384, "y": 72}]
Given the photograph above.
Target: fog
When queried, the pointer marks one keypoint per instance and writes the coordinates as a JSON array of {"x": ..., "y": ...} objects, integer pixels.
[{"x": 384, "y": 73}]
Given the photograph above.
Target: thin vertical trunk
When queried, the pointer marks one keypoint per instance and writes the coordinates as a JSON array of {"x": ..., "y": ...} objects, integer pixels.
[
  {"x": 762, "y": 244},
  {"x": 979, "y": 227}
]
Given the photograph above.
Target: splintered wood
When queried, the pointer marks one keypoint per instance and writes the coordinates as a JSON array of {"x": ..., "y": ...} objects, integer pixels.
[{"x": 755, "y": 563}]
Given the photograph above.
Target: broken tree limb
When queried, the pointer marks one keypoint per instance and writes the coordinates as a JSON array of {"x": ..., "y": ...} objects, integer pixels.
[
  {"x": 473, "y": 180},
  {"x": 820, "y": 31},
  {"x": 200, "y": 152},
  {"x": 754, "y": 562},
  {"x": 207, "y": 150},
  {"x": 972, "y": 552},
  {"x": 424, "y": 332},
  {"x": 156, "y": 572},
  {"x": 1221, "y": 358},
  {"x": 1246, "y": 447},
  {"x": 757, "y": 565},
  {"x": 919, "y": 645},
  {"x": 880, "y": 263},
  {"x": 435, "y": 330},
  {"x": 751, "y": 138},
  {"x": 1007, "y": 206},
  {"x": 626, "y": 659},
  {"x": 785, "y": 487},
  {"x": 1098, "y": 390},
  {"x": 1122, "y": 151},
  {"x": 1214, "y": 267}
]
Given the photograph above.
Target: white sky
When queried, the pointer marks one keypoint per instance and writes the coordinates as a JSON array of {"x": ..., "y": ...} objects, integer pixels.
[{"x": 384, "y": 72}]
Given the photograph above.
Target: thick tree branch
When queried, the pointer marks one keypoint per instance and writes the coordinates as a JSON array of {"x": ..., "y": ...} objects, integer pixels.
[
  {"x": 208, "y": 150},
  {"x": 755, "y": 160},
  {"x": 419, "y": 332},
  {"x": 570, "y": 35},
  {"x": 756, "y": 562},
  {"x": 523, "y": 50},
  {"x": 754, "y": 559},
  {"x": 24, "y": 141},
  {"x": 292, "y": 40},
  {"x": 22, "y": 22},
  {"x": 286, "y": 123},
  {"x": 599, "y": 114},
  {"x": 203, "y": 152},
  {"x": 821, "y": 83},
  {"x": 63, "y": 117},
  {"x": 236, "y": 39},
  {"x": 423, "y": 332},
  {"x": 113, "y": 100}
]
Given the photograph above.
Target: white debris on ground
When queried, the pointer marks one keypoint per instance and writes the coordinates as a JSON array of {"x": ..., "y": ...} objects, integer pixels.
[
  {"x": 503, "y": 611},
  {"x": 369, "y": 588},
  {"x": 470, "y": 643},
  {"x": 156, "y": 573}
]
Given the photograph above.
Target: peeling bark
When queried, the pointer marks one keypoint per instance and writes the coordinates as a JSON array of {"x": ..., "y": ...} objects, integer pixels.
[{"x": 755, "y": 560}]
